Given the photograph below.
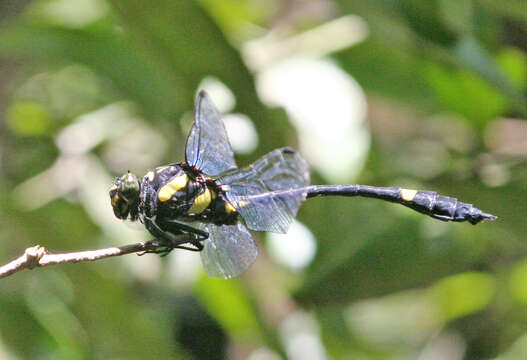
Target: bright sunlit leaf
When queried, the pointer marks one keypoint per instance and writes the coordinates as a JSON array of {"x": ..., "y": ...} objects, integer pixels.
[
  {"x": 464, "y": 294},
  {"x": 28, "y": 118},
  {"x": 517, "y": 281},
  {"x": 464, "y": 93},
  {"x": 217, "y": 295},
  {"x": 513, "y": 63}
]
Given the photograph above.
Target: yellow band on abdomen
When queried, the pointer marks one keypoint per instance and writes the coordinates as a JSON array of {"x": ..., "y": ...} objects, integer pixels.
[{"x": 408, "y": 194}]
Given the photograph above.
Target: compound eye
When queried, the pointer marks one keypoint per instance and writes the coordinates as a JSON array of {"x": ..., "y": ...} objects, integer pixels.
[
  {"x": 129, "y": 185},
  {"x": 115, "y": 188},
  {"x": 124, "y": 194}
]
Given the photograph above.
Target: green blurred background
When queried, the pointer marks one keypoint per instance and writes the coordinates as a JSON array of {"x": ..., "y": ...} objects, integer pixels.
[{"x": 424, "y": 94}]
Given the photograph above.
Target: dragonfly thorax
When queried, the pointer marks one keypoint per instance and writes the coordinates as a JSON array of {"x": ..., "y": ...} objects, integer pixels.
[{"x": 173, "y": 192}]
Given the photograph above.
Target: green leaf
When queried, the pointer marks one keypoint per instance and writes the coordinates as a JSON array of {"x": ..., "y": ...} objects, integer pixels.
[
  {"x": 517, "y": 281},
  {"x": 464, "y": 294},
  {"x": 227, "y": 301},
  {"x": 471, "y": 53},
  {"x": 27, "y": 118},
  {"x": 181, "y": 37},
  {"x": 466, "y": 94},
  {"x": 512, "y": 8},
  {"x": 137, "y": 76},
  {"x": 390, "y": 72},
  {"x": 513, "y": 63},
  {"x": 457, "y": 15}
]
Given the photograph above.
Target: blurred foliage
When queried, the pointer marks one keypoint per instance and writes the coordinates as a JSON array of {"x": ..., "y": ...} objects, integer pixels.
[{"x": 91, "y": 88}]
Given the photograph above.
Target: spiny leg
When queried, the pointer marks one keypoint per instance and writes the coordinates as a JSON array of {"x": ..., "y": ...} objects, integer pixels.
[
  {"x": 176, "y": 226},
  {"x": 198, "y": 246},
  {"x": 164, "y": 250},
  {"x": 176, "y": 235}
]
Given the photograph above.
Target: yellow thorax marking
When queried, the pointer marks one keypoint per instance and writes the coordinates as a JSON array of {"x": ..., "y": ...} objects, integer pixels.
[
  {"x": 229, "y": 208},
  {"x": 408, "y": 194},
  {"x": 201, "y": 202},
  {"x": 176, "y": 184}
]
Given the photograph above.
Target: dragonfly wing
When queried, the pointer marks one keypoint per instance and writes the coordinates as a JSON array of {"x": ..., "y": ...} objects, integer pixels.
[
  {"x": 268, "y": 193},
  {"x": 229, "y": 250},
  {"x": 208, "y": 147}
]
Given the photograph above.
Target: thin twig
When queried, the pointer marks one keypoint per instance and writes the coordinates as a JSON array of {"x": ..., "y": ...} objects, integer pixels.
[{"x": 38, "y": 256}]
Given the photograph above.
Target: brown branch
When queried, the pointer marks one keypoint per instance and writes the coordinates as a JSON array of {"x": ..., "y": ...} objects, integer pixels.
[{"x": 38, "y": 256}]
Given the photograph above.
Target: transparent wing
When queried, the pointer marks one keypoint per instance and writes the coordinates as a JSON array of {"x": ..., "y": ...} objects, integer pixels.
[
  {"x": 268, "y": 193},
  {"x": 208, "y": 147},
  {"x": 229, "y": 250}
]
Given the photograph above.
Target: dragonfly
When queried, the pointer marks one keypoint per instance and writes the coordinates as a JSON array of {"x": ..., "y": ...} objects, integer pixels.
[{"x": 207, "y": 203}]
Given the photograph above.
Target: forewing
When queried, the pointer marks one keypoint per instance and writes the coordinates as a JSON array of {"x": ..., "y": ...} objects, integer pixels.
[
  {"x": 208, "y": 147},
  {"x": 229, "y": 250},
  {"x": 268, "y": 193}
]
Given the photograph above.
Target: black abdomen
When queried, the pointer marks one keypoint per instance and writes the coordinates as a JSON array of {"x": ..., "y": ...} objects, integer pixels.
[{"x": 426, "y": 202}]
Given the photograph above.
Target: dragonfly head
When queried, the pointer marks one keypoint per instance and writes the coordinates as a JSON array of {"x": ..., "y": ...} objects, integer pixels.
[{"x": 124, "y": 195}]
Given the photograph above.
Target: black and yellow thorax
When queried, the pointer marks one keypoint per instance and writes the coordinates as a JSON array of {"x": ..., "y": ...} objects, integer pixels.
[{"x": 175, "y": 192}]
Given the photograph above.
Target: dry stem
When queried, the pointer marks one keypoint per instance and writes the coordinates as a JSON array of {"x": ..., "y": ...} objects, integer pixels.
[{"x": 37, "y": 256}]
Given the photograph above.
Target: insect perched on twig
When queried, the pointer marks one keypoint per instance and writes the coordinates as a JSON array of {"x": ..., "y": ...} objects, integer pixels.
[{"x": 209, "y": 189}]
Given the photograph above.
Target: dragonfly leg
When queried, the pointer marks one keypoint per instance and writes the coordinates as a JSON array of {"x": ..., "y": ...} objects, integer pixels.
[
  {"x": 174, "y": 237},
  {"x": 176, "y": 226},
  {"x": 163, "y": 250},
  {"x": 198, "y": 246}
]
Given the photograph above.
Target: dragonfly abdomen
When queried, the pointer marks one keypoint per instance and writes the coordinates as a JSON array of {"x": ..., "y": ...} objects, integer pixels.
[
  {"x": 426, "y": 202},
  {"x": 446, "y": 208}
]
